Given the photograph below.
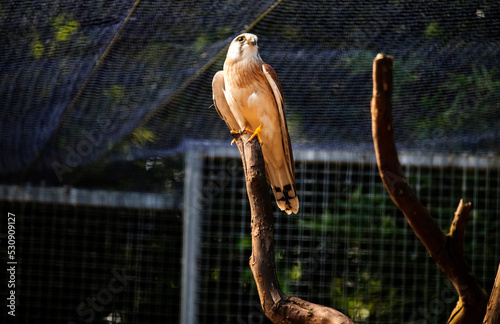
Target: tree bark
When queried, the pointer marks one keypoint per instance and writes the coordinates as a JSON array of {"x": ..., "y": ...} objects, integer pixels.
[
  {"x": 277, "y": 307},
  {"x": 446, "y": 250},
  {"x": 493, "y": 309}
]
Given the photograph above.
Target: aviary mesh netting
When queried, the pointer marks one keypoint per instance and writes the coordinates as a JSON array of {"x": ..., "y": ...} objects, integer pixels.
[
  {"x": 109, "y": 96},
  {"x": 86, "y": 83}
]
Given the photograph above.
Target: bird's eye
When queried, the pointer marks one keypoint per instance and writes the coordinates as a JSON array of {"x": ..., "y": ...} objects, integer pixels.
[{"x": 241, "y": 39}]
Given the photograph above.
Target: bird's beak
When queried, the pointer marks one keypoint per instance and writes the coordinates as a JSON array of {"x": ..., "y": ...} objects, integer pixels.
[{"x": 252, "y": 41}]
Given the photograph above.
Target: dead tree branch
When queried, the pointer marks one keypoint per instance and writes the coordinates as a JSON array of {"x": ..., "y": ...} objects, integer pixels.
[
  {"x": 446, "y": 250},
  {"x": 493, "y": 309},
  {"x": 457, "y": 229},
  {"x": 277, "y": 307}
]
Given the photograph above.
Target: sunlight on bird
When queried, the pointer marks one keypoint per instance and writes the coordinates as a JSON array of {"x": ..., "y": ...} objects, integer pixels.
[{"x": 248, "y": 97}]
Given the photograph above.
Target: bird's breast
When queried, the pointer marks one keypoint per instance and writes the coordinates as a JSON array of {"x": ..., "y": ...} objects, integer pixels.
[{"x": 251, "y": 94}]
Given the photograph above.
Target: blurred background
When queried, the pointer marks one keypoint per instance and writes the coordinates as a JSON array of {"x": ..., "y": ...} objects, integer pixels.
[{"x": 131, "y": 205}]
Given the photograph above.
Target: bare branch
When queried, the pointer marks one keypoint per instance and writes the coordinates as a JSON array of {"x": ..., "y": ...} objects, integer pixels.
[
  {"x": 493, "y": 309},
  {"x": 457, "y": 228},
  {"x": 277, "y": 307},
  {"x": 447, "y": 251}
]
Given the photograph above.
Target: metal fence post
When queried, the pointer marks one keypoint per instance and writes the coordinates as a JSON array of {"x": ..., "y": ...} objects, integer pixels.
[{"x": 191, "y": 211}]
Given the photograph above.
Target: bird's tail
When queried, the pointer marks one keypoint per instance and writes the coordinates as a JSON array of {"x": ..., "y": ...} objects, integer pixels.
[{"x": 283, "y": 185}]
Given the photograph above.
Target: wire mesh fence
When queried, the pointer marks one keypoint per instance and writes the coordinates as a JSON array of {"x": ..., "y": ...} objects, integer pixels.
[
  {"x": 349, "y": 247},
  {"x": 82, "y": 263},
  {"x": 103, "y": 256}
]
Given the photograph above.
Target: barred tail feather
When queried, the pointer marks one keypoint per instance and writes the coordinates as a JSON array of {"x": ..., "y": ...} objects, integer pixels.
[
  {"x": 283, "y": 188},
  {"x": 286, "y": 198}
]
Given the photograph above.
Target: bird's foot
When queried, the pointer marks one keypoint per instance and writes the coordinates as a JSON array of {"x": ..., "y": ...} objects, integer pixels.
[
  {"x": 232, "y": 133},
  {"x": 255, "y": 133}
]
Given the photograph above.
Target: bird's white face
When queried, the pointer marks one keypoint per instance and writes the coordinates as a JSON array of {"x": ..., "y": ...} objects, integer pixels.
[{"x": 244, "y": 47}]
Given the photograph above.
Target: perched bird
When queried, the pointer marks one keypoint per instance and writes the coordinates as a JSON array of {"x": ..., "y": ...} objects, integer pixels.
[{"x": 248, "y": 97}]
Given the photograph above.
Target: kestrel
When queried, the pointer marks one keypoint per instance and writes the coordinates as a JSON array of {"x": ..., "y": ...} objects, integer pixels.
[{"x": 248, "y": 97}]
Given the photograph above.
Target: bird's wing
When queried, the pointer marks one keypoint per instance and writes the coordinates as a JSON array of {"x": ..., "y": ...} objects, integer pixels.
[
  {"x": 220, "y": 102},
  {"x": 272, "y": 78}
]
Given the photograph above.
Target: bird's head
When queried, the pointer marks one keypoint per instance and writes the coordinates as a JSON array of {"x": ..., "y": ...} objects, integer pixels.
[{"x": 244, "y": 47}]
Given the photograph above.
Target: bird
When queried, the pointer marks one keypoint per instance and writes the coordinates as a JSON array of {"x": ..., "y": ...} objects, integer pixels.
[{"x": 248, "y": 96}]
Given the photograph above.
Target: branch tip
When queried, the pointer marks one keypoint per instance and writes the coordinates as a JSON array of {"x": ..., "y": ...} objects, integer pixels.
[{"x": 457, "y": 228}]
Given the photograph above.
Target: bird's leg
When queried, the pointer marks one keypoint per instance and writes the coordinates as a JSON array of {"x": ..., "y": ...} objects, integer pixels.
[
  {"x": 234, "y": 132},
  {"x": 244, "y": 130},
  {"x": 255, "y": 133}
]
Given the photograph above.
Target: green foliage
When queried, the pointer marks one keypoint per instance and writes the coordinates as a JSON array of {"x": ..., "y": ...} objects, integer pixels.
[
  {"x": 359, "y": 63},
  {"x": 38, "y": 49},
  {"x": 115, "y": 92},
  {"x": 142, "y": 135},
  {"x": 473, "y": 95},
  {"x": 433, "y": 30},
  {"x": 347, "y": 220},
  {"x": 365, "y": 300},
  {"x": 200, "y": 44},
  {"x": 64, "y": 27}
]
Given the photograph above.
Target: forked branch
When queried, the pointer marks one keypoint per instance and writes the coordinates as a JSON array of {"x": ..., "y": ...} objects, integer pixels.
[
  {"x": 446, "y": 250},
  {"x": 457, "y": 229},
  {"x": 277, "y": 307}
]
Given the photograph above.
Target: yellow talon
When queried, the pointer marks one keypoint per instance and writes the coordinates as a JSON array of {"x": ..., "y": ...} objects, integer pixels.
[
  {"x": 257, "y": 132},
  {"x": 233, "y": 132}
]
